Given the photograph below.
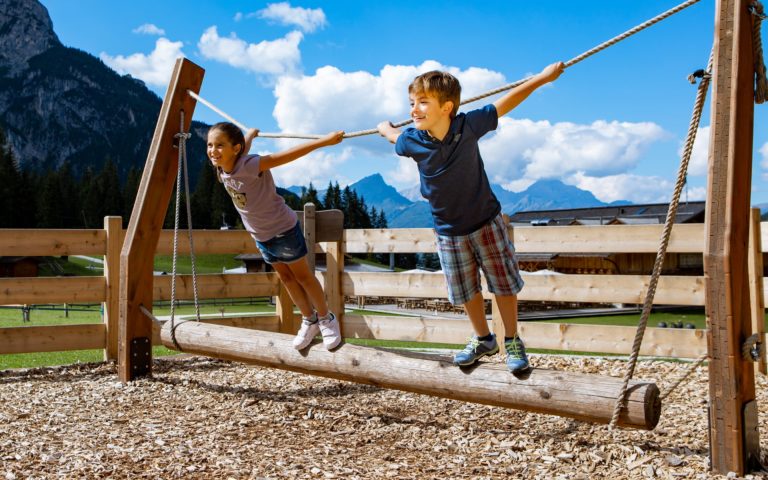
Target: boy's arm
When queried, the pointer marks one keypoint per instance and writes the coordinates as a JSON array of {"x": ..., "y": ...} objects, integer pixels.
[
  {"x": 387, "y": 131},
  {"x": 281, "y": 158},
  {"x": 516, "y": 96}
]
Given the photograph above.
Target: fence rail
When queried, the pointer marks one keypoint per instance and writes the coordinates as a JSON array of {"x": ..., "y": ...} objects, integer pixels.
[{"x": 672, "y": 290}]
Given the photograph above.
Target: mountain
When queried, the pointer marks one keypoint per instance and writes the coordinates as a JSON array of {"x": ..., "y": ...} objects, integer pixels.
[
  {"x": 62, "y": 105},
  {"x": 541, "y": 195}
]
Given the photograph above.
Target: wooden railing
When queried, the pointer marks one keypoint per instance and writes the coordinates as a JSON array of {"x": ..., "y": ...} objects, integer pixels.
[{"x": 672, "y": 290}]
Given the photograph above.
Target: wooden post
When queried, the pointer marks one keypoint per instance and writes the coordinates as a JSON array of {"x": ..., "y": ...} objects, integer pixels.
[
  {"x": 334, "y": 268},
  {"x": 111, "y": 306},
  {"x": 284, "y": 311},
  {"x": 734, "y": 440},
  {"x": 571, "y": 394},
  {"x": 310, "y": 236},
  {"x": 152, "y": 199},
  {"x": 755, "y": 261}
]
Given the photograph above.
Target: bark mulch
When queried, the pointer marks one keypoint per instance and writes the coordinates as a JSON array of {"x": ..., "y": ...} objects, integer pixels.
[{"x": 210, "y": 419}]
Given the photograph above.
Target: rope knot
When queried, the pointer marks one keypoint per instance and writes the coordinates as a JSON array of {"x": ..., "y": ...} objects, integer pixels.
[
  {"x": 183, "y": 136},
  {"x": 700, "y": 73}
]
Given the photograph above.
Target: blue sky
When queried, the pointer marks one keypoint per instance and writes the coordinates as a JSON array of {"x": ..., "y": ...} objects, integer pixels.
[{"x": 612, "y": 124}]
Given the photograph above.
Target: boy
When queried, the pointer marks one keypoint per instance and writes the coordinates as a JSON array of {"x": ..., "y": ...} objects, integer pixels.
[{"x": 470, "y": 230}]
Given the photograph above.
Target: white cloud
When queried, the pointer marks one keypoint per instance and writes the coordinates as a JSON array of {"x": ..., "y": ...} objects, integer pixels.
[
  {"x": 238, "y": 16},
  {"x": 276, "y": 57},
  {"x": 635, "y": 188},
  {"x": 331, "y": 99},
  {"x": 764, "y": 161},
  {"x": 523, "y": 148},
  {"x": 307, "y": 19},
  {"x": 149, "y": 29},
  {"x": 698, "y": 164},
  {"x": 406, "y": 173},
  {"x": 154, "y": 69}
]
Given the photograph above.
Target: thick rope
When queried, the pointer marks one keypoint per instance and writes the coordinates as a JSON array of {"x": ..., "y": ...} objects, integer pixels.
[
  {"x": 509, "y": 86},
  {"x": 761, "y": 83},
  {"x": 701, "y": 95},
  {"x": 183, "y": 137}
]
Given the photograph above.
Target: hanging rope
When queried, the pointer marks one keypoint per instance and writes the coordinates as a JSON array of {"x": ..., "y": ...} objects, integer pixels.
[
  {"x": 761, "y": 83},
  {"x": 183, "y": 137},
  {"x": 701, "y": 95},
  {"x": 509, "y": 86}
]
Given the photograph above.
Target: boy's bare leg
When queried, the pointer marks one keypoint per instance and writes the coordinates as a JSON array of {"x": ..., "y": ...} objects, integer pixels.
[
  {"x": 508, "y": 309},
  {"x": 475, "y": 309}
]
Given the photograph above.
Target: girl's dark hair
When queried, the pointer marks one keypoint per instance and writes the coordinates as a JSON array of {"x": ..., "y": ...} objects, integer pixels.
[
  {"x": 233, "y": 132},
  {"x": 235, "y": 136}
]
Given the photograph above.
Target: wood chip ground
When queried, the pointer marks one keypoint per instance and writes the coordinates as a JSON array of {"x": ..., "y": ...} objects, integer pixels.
[{"x": 209, "y": 419}]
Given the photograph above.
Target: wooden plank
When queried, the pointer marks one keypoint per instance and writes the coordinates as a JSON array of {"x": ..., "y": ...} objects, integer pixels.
[
  {"x": 685, "y": 238},
  {"x": 378, "y": 240},
  {"x": 756, "y": 287},
  {"x": 51, "y": 242},
  {"x": 672, "y": 290},
  {"x": 734, "y": 440},
  {"x": 113, "y": 226},
  {"x": 217, "y": 285},
  {"x": 234, "y": 242},
  {"x": 284, "y": 309},
  {"x": 564, "y": 239},
  {"x": 45, "y": 290},
  {"x": 148, "y": 214},
  {"x": 329, "y": 225},
  {"x": 575, "y": 395},
  {"x": 52, "y": 338},
  {"x": 764, "y": 237},
  {"x": 661, "y": 342}
]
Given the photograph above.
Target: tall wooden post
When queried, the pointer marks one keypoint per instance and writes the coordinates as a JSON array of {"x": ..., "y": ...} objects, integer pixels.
[
  {"x": 111, "y": 306},
  {"x": 310, "y": 236},
  {"x": 734, "y": 441},
  {"x": 152, "y": 198},
  {"x": 755, "y": 261}
]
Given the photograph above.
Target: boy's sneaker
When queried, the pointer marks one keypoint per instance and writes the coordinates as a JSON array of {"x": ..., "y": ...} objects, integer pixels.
[
  {"x": 517, "y": 360},
  {"x": 309, "y": 329},
  {"x": 475, "y": 350},
  {"x": 329, "y": 328}
]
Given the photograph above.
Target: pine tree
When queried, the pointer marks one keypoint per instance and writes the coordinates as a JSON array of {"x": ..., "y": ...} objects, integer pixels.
[
  {"x": 309, "y": 195},
  {"x": 10, "y": 181},
  {"x": 108, "y": 184},
  {"x": 131, "y": 187}
]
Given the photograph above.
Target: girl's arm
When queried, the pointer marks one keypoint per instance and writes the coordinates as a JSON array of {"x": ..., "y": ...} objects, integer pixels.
[
  {"x": 281, "y": 158},
  {"x": 249, "y": 136}
]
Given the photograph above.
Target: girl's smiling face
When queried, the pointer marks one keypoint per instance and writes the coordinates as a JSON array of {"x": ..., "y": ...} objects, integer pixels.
[{"x": 221, "y": 151}]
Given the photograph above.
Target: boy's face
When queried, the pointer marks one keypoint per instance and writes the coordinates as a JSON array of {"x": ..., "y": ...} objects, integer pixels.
[{"x": 426, "y": 111}]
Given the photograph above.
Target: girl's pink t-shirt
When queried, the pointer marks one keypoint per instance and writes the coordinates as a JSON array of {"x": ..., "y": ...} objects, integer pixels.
[{"x": 264, "y": 212}]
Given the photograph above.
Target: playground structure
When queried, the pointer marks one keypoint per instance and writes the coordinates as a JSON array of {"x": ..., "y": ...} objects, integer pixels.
[{"x": 722, "y": 241}]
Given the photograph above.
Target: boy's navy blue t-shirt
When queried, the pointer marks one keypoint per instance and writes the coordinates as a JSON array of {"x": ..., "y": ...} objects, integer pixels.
[{"x": 452, "y": 173}]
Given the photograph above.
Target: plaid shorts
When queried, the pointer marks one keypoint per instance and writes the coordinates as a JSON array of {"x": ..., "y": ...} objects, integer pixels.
[{"x": 487, "y": 248}]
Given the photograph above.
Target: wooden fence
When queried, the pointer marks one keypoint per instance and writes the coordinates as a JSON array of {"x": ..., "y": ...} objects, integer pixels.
[{"x": 106, "y": 242}]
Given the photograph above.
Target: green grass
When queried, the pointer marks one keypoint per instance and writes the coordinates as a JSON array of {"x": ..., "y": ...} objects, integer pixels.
[
  {"x": 203, "y": 263},
  {"x": 49, "y": 359}
]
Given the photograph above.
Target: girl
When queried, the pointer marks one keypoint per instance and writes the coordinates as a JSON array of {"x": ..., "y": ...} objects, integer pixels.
[{"x": 273, "y": 224}]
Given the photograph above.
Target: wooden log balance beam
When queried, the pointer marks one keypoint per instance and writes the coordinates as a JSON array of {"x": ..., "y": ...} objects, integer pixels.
[{"x": 575, "y": 395}]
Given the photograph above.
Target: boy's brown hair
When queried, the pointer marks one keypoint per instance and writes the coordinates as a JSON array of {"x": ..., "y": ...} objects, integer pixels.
[{"x": 444, "y": 86}]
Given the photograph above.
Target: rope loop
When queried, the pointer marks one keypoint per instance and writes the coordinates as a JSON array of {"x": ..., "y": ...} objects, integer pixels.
[{"x": 756, "y": 9}]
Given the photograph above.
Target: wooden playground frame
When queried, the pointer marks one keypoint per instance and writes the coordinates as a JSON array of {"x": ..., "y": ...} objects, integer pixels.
[{"x": 724, "y": 241}]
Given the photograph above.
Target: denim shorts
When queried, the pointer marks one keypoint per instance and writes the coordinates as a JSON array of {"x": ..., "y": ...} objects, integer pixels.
[
  {"x": 487, "y": 249},
  {"x": 286, "y": 247}
]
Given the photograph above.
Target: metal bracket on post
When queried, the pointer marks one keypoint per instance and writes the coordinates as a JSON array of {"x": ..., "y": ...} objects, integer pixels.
[{"x": 141, "y": 350}]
